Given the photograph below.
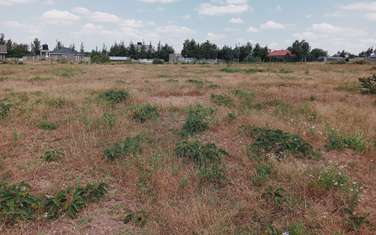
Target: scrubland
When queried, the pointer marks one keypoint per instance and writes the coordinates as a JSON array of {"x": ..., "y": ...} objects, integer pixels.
[{"x": 187, "y": 149}]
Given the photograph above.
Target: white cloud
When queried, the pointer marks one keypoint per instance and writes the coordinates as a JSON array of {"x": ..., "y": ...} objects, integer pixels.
[
  {"x": 272, "y": 25},
  {"x": 224, "y": 7},
  {"x": 236, "y": 21},
  {"x": 368, "y": 9},
  {"x": 97, "y": 16},
  {"x": 253, "y": 29},
  {"x": 13, "y": 2},
  {"x": 158, "y": 1},
  {"x": 59, "y": 17}
]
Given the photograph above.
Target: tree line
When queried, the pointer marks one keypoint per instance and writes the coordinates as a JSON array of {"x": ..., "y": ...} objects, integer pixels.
[{"x": 206, "y": 50}]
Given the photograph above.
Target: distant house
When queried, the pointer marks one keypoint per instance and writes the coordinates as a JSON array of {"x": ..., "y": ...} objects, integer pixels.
[
  {"x": 45, "y": 52},
  {"x": 280, "y": 55},
  {"x": 65, "y": 53},
  {"x": 119, "y": 58},
  {"x": 177, "y": 58},
  {"x": 3, "y": 52}
]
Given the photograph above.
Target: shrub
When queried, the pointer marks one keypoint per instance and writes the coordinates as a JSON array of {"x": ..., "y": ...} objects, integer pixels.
[
  {"x": 198, "y": 83},
  {"x": 16, "y": 203},
  {"x": 114, "y": 96},
  {"x": 73, "y": 200},
  {"x": 46, "y": 125},
  {"x": 130, "y": 146},
  {"x": 52, "y": 155},
  {"x": 158, "y": 61},
  {"x": 5, "y": 106},
  {"x": 109, "y": 119},
  {"x": 223, "y": 100},
  {"x": 275, "y": 196},
  {"x": 145, "y": 112},
  {"x": 246, "y": 97},
  {"x": 337, "y": 141},
  {"x": 263, "y": 171},
  {"x": 277, "y": 142},
  {"x": 231, "y": 70},
  {"x": 208, "y": 158},
  {"x": 198, "y": 120},
  {"x": 138, "y": 218},
  {"x": 331, "y": 178},
  {"x": 368, "y": 85}
]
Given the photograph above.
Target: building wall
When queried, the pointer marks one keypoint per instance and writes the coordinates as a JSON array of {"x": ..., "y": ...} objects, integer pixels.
[{"x": 2, "y": 57}]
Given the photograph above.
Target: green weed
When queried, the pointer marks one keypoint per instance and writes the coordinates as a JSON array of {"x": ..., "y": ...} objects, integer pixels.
[
  {"x": 5, "y": 107},
  {"x": 368, "y": 85},
  {"x": 114, "y": 96},
  {"x": 263, "y": 172},
  {"x": 337, "y": 141},
  {"x": 277, "y": 142},
  {"x": 221, "y": 100},
  {"x": 231, "y": 70},
  {"x": 46, "y": 125},
  {"x": 198, "y": 120},
  {"x": 52, "y": 155},
  {"x": 143, "y": 113},
  {"x": 137, "y": 218},
  {"x": 130, "y": 146}
]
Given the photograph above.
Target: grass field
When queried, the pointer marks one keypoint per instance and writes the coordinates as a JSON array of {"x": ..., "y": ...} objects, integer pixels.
[{"x": 188, "y": 149}]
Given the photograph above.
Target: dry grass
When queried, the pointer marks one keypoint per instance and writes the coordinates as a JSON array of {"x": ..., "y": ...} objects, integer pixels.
[{"x": 308, "y": 100}]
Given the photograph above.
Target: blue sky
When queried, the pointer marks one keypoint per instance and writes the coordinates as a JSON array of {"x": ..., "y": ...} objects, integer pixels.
[{"x": 332, "y": 25}]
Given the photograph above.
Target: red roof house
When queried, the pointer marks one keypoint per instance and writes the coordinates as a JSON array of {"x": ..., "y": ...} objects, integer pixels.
[{"x": 280, "y": 54}]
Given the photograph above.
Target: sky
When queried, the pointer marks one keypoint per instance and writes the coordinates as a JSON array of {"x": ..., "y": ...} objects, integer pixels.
[{"x": 332, "y": 25}]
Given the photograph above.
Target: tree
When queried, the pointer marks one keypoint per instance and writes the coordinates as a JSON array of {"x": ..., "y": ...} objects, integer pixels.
[
  {"x": 245, "y": 51},
  {"x": 190, "y": 49},
  {"x": 82, "y": 48},
  {"x": 301, "y": 49},
  {"x": 35, "y": 47},
  {"x": 2, "y": 39},
  {"x": 59, "y": 45},
  {"x": 317, "y": 53}
]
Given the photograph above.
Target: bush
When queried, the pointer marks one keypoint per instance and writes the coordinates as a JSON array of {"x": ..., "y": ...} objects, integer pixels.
[
  {"x": 198, "y": 83},
  {"x": 52, "y": 155},
  {"x": 223, "y": 100},
  {"x": 97, "y": 58},
  {"x": 130, "y": 146},
  {"x": 368, "y": 85},
  {"x": 73, "y": 200},
  {"x": 231, "y": 70},
  {"x": 46, "y": 125},
  {"x": 114, "y": 96},
  {"x": 198, "y": 120},
  {"x": 331, "y": 178},
  {"x": 16, "y": 203},
  {"x": 145, "y": 112},
  {"x": 277, "y": 142},
  {"x": 158, "y": 61},
  {"x": 208, "y": 158},
  {"x": 138, "y": 218},
  {"x": 336, "y": 141},
  {"x": 263, "y": 171},
  {"x": 5, "y": 106}
]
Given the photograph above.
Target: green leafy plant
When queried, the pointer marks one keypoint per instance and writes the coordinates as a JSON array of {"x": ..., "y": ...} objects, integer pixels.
[
  {"x": 245, "y": 97},
  {"x": 198, "y": 83},
  {"x": 208, "y": 158},
  {"x": 5, "y": 106},
  {"x": 331, "y": 178},
  {"x": 52, "y": 155},
  {"x": 47, "y": 125},
  {"x": 297, "y": 229},
  {"x": 143, "y": 113},
  {"x": 222, "y": 100},
  {"x": 198, "y": 120},
  {"x": 17, "y": 203},
  {"x": 277, "y": 142},
  {"x": 114, "y": 96},
  {"x": 276, "y": 196},
  {"x": 368, "y": 85},
  {"x": 263, "y": 172},
  {"x": 337, "y": 141},
  {"x": 73, "y": 200},
  {"x": 138, "y": 218},
  {"x": 231, "y": 70},
  {"x": 130, "y": 146}
]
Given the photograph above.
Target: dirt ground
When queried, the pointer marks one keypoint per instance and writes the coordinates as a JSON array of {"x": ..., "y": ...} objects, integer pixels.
[{"x": 309, "y": 100}]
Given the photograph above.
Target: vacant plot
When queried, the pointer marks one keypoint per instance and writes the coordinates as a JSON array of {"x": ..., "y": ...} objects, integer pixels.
[{"x": 187, "y": 149}]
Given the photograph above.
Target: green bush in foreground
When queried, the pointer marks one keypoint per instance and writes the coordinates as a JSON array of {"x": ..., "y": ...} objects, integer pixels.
[
  {"x": 368, "y": 85},
  {"x": 198, "y": 120},
  {"x": 277, "y": 142},
  {"x": 145, "y": 112},
  {"x": 208, "y": 158},
  {"x": 336, "y": 141},
  {"x": 18, "y": 204},
  {"x": 52, "y": 155},
  {"x": 4, "y": 108},
  {"x": 130, "y": 146},
  {"x": 46, "y": 125},
  {"x": 231, "y": 70},
  {"x": 114, "y": 96},
  {"x": 223, "y": 100}
]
